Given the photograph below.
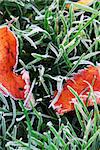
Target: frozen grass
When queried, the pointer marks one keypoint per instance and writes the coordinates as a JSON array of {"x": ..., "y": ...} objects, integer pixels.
[{"x": 53, "y": 42}]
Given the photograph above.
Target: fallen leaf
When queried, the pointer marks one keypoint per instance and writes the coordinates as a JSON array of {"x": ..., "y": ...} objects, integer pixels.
[
  {"x": 12, "y": 84},
  {"x": 64, "y": 102}
]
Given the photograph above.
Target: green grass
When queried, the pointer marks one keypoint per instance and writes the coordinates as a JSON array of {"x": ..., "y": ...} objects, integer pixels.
[{"x": 53, "y": 42}]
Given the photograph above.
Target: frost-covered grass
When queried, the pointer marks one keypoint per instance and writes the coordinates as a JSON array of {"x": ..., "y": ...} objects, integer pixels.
[{"x": 53, "y": 42}]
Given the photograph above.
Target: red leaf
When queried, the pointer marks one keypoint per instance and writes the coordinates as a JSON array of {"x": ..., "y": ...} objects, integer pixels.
[
  {"x": 17, "y": 86},
  {"x": 79, "y": 82},
  {"x": 83, "y": 2}
]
